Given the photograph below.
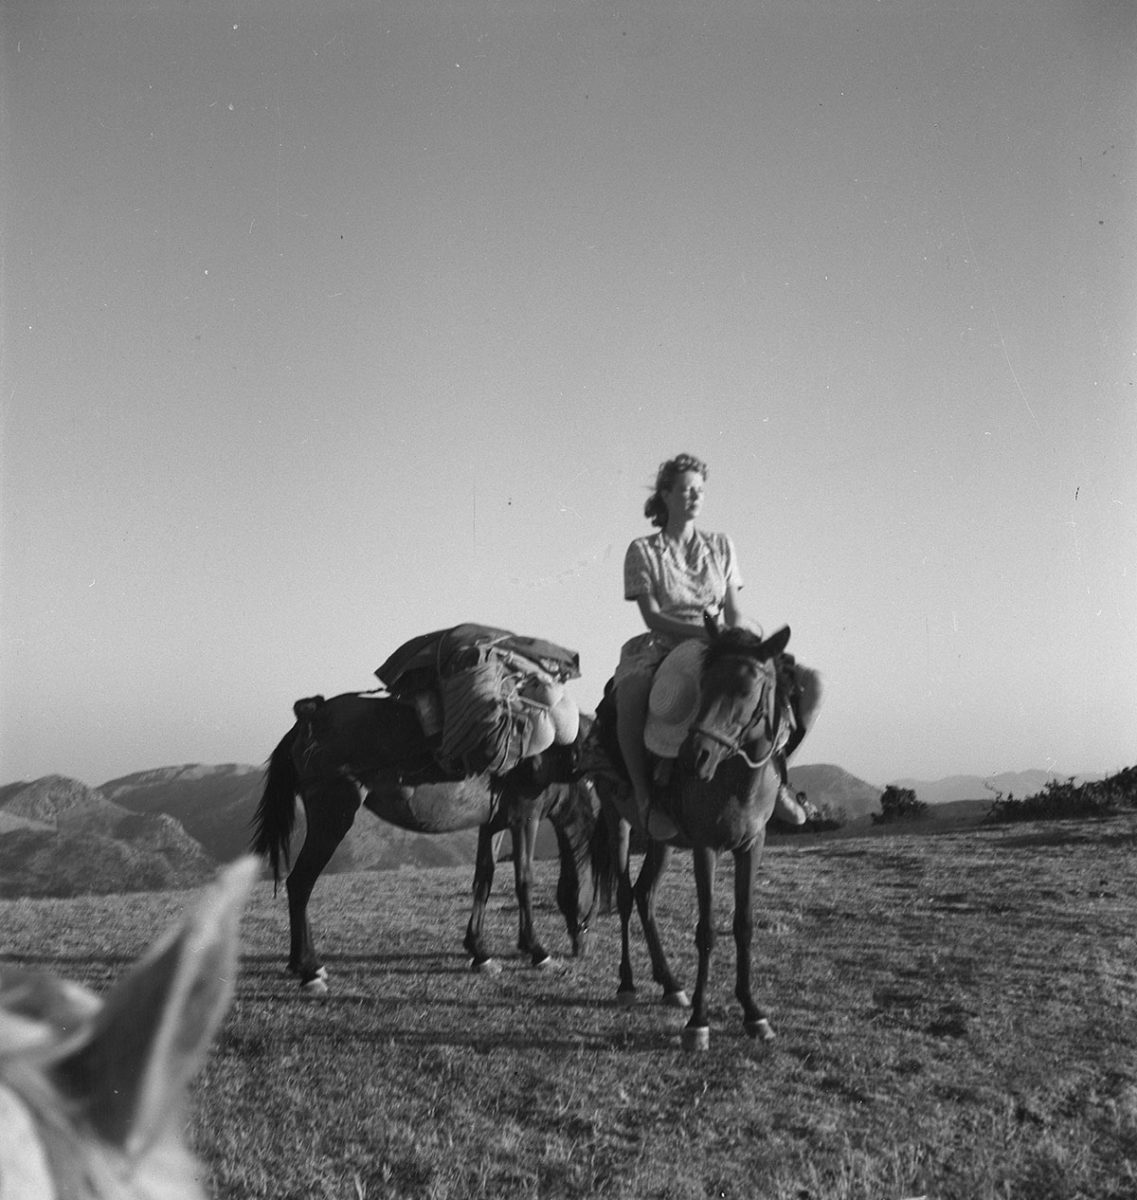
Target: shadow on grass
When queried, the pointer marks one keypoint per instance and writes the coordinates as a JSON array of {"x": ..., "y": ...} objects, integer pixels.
[
  {"x": 380, "y": 1030},
  {"x": 67, "y": 964},
  {"x": 1072, "y": 835},
  {"x": 413, "y": 964}
]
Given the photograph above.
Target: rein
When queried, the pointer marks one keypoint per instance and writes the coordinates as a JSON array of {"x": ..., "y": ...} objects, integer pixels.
[{"x": 736, "y": 746}]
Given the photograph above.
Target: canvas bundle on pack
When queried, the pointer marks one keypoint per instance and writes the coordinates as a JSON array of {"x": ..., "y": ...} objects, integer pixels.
[{"x": 488, "y": 697}]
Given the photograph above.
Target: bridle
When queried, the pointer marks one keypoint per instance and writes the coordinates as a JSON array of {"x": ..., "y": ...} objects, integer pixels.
[
  {"x": 762, "y": 713},
  {"x": 736, "y": 746}
]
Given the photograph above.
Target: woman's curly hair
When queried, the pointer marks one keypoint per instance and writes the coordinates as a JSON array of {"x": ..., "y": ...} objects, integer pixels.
[{"x": 655, "y": 509}]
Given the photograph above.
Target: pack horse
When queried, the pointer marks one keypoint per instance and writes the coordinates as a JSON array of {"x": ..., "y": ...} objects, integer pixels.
[{"x": 475, "y": 732}]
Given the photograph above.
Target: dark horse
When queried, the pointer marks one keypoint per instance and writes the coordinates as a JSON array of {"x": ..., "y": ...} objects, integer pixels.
[
  {"x": 721, "y": 793},
  {"x": 355, "y": 749}
]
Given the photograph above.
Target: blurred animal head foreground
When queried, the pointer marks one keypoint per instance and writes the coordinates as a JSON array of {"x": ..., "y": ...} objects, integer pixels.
[{"x": 91, "y": 1090}]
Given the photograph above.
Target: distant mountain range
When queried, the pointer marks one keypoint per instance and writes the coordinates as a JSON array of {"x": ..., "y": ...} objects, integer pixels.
[
  {"x": 1019, "y": 784},
  {"x": 171, "y": 827},
  {"x": 58, "y": 837}
]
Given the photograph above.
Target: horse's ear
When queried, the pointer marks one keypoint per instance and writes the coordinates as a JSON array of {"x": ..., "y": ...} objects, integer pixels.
[
  {"x": 155, "y": 1027},
  {"x": 775, "y": 643}
]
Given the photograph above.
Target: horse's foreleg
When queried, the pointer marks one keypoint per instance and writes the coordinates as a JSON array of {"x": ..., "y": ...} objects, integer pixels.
[
  {"x": 330, "y": 812},
  {"x": 745, "y": 875},
  {"x": 647, "y": 888},
  {"x": 489, "y": 843},
  {"x": 524, "y": 851},
  {"x": 697, "y": 1033}
]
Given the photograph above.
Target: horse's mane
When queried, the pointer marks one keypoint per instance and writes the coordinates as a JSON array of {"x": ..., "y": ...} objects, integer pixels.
[
  {"x": 737, "y": 640},
  {"x": 734, "y": 641}
]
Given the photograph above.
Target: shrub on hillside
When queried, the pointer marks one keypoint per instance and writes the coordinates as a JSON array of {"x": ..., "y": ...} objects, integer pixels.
[
  {"x": 898, "y": 804},
  {"x": 1102, "y": 798},
  {"x": 819, "y": 818}
]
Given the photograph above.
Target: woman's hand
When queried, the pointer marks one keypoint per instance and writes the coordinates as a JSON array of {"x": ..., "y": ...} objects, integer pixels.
[{"x": 659, "y": 622}]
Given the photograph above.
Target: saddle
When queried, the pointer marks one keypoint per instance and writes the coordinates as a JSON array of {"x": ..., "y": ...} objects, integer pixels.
[
  {"x": 487, "y": 698},
  {"x": 672, "y": 710}
]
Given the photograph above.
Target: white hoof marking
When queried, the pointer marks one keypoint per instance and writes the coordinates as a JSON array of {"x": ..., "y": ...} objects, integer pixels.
[{"x": 696, "y": 1039}]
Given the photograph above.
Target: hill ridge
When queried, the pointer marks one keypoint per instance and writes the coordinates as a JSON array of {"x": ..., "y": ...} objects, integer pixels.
[{"x": 178, "y": 822}]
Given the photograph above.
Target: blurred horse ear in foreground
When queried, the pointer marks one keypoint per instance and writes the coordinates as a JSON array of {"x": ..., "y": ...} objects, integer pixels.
[{"x": 91, "y": 1090}]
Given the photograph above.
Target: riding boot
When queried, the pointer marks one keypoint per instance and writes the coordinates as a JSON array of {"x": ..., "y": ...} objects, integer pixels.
[{"x": 786, "y": 807}]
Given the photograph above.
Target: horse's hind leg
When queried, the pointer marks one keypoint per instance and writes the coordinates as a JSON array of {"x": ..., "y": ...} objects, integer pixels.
[
  {"x": 524, "y": 851},
  {"x": 621, "y": 833},
  {"x": 647, "y": 886},
  {"x": 480, "y": 957},
  {"x": 330, "y": 810}
]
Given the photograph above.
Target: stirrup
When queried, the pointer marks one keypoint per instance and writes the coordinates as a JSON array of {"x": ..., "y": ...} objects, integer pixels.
[{"x": 659, "y": 825}]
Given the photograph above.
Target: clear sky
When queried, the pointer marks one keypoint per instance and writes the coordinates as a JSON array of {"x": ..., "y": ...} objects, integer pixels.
[{"x": 328, "y": 324}]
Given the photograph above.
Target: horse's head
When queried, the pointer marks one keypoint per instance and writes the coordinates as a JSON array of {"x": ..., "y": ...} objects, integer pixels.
[
  {"x": 738, "y": 697},
  {"x": 90, "y": 1089}
]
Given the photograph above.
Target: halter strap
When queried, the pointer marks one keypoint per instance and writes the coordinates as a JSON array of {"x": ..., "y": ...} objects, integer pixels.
[
  {"x": 766, "y": 708},
  {"x": 735, "y": 746}
]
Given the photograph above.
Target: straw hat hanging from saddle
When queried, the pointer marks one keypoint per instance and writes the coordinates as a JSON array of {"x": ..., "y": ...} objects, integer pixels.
[{"x": 674, "y": 701}]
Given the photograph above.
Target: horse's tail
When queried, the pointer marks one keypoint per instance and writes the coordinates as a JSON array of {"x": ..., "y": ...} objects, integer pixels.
[
  {"x": 276, "y": 813},
  {"x": 603, "y": 854},
  {"x": 604, "y": 863}
]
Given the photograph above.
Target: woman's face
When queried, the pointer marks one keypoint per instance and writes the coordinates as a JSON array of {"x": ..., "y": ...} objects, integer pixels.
[{"x": 684, "y": 497}]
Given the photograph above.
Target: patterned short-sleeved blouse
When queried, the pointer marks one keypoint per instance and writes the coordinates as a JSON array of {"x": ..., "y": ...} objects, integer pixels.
[{"x": 684, "y": 582}]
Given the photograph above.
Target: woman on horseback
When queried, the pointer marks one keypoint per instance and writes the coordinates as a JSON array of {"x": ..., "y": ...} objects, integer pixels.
[{"x": 675, "y": 576}]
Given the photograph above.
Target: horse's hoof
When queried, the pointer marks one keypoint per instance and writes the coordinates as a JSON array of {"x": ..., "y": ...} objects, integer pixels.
[
  {"x": 485, "y": 966},
  {"x": 314, "y": 988},
  {"x": 321, "y": 971},
  {"x": 626, "y": 997},
  {"x": 676, "y": 999},
  {"x": 696, "y": 1039},
  {"x": 760, "y": 1030},
  {"x": 551, "y": 964}
]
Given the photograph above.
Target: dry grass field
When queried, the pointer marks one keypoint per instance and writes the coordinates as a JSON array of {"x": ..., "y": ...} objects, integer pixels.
[{"x": 956, "y": 1019}]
